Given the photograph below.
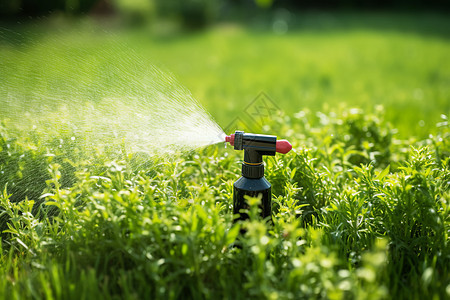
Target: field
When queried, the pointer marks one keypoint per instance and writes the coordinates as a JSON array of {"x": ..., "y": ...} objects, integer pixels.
[{"x": 360, "y": 206}]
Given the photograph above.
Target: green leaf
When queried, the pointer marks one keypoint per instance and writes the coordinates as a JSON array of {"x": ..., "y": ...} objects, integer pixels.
[
  {"x": 184, "y": 249},
  {"x": 53, "y": 203},
  {"x": 384, "y": 172},
  {"x": 232, "y": 234},
  {"x": 294, "y": 170}
]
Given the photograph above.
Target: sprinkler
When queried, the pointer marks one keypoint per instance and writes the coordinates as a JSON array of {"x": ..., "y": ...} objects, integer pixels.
[{"x": 252, "y": 183}]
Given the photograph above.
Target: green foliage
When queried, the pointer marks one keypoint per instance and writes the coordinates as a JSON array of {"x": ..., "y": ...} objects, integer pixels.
[
  {"x": 37, "y": 8},
  {"x": 136, "y": 12},
  {"x": 328, "y": 63},
  {"x": 190, "y": 13},
  {"x": 137, "y": 225},
  {"x": 360, "y": 209}
]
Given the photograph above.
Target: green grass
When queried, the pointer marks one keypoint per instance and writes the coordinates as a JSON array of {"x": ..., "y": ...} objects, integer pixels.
[
  {"x": 360, "y": 206},
  {"x": 324, "y": 63}
]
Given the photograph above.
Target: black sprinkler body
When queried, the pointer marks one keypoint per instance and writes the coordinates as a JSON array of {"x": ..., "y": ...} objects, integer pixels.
[{"x": 253, "y": 183}]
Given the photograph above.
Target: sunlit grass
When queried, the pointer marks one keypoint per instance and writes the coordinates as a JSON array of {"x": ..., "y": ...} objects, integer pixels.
[
  {"x": 324, "y": 69},
  {"x": 360, "y": 208},
  {"x": 137, "y": 226}
]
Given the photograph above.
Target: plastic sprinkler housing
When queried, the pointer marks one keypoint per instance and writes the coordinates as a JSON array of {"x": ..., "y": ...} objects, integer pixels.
[{"x": 253, "y": 183}]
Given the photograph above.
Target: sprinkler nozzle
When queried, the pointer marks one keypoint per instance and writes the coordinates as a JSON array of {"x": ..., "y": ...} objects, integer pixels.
[
  {"x": 255, "y": 146},
  {"x": 230, "y": 139},
  {"x": 281, "y": 146},
  {"x": 253, "y": 183}
]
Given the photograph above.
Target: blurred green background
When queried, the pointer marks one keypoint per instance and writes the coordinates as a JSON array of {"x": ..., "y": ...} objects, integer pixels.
[
  {"x": 316, "y": 55},
  {"x": 130, "y": 223}
]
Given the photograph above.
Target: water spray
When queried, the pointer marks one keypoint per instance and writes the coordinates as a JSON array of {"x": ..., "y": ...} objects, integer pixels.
[{"x": 253, "y": 183}]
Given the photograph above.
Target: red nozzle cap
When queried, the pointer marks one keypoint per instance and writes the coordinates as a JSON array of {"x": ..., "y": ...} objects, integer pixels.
[
  {"x": 230, "y": 139},
  {"x": 283, "y": 146}
]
